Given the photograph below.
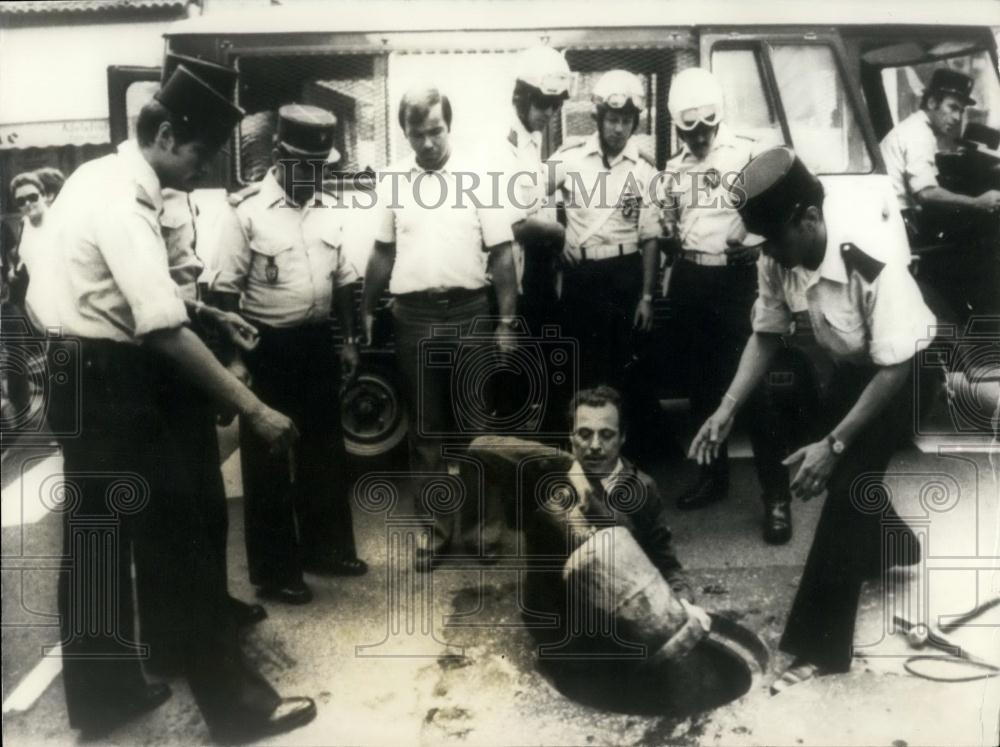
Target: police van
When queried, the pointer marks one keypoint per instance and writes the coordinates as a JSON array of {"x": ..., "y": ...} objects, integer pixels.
[{"x": 829, "y": 79}]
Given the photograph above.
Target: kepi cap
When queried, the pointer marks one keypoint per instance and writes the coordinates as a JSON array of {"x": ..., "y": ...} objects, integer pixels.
[
  {"x": 307, "y": 131},
  {"x": 775, "y": 183},
  {"x": 944, "y": 80},
  {"x": 199, "y": 105},
  {"x": 221, "y": 78}
]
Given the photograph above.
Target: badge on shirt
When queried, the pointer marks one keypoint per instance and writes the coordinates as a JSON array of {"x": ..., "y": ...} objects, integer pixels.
[
  {"x": 630, "y": 203},
  {"x": 712, "y": 178},
  {"x": 271, "y": 271}
]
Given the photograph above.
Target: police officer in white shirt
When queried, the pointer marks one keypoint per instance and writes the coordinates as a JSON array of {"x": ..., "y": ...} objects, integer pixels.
[
  {"x": 835, "y": 260},
  {"x": 438, "y": 250},
  {"x": 542, "y": 84},
  {"x": 713, "y": 286},
  {"x": 110, "y": 289},
  {"x": 910, "y": 148},
  {"x": 612, "y": 227},
  {"x": 279, "y": 252}
]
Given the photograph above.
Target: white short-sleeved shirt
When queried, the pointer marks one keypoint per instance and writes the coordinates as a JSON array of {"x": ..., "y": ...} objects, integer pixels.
[
  {"x": 864, "y": 305},
  {"x": 443, "y": 224},
  {"x": 284, "y": 259},
  {"x": 624, "y": 212},
  {"x": 525, "y": 182},
  {"x": 177, "y": 223},
  {"x": 908, "y": 151},
  {"x": 706, "y": 214},
  {"x": 109, "y": 275}
]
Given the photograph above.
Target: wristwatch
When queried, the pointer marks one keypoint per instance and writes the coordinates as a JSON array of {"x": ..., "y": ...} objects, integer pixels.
[
  {"x": 647, "y": 297},
  {"x": 836, "y": 445}
]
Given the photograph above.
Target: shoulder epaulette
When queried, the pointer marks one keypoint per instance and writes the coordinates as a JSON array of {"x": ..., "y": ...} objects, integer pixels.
[
  {"x": 237, "y": 198},
  {"x": 865, "y": 264},
  {"x": 143, "y": 198}
]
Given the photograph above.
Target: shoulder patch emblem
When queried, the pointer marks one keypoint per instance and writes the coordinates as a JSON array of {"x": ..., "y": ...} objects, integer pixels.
[{"x": 865, "y": 264}]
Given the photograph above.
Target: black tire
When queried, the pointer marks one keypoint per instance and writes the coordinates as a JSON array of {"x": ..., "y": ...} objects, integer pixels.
[{"x": 373, "y": 414}]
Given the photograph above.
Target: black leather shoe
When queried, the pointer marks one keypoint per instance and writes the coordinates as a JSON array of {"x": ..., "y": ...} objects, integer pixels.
[
  {"x": 104, "y": 721},
  {"x": 290, "y": 713},
  {"x": 778, "y": 523},
  {"x": 245, "y": 614},
  {"x": 336, "y": 567},
  {"x": 294, "y": 593},
  {"x": 709, "y": 489}
]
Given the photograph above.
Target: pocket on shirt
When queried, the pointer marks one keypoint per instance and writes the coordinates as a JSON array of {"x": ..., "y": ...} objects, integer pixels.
[
  {"x": 270, "y": 262},
  {"x": 849, "y": 329}
]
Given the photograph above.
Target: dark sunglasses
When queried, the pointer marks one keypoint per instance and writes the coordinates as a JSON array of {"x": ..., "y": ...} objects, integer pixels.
[{"x": 25, "y": 199}]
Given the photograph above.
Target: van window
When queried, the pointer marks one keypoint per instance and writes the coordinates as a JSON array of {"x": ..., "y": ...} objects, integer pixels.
[
  {"x": 904, "y": 85},
  {"x": 747, "y": 109},
  {"x": 823, "y": 124}
]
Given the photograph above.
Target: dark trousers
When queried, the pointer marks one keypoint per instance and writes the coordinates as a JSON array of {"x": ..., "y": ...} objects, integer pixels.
[
  {"x": 712, "y": 307},
  {"x": 599, "y": 299},
  {"x": 854, "y": 522},
  {"x": 297, "y": 372},
  {"x": 432, "y": 339},
  {"x": 191, "y": 414},
  {"x": 129, "y": 492}
]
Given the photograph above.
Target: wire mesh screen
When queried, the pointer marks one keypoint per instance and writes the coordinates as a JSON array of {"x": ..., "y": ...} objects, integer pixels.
[
  {"x": 352, "y": 87},
  {"x": 654, "y": 67},
  {"x": 480, "y": 84}
]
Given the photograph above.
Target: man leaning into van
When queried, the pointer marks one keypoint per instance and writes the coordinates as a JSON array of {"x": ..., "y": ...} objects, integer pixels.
[{"x": 438, "y": 248}]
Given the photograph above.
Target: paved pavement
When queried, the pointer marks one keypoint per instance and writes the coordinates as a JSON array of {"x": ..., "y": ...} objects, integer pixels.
[{"x": 469, "y": 678}]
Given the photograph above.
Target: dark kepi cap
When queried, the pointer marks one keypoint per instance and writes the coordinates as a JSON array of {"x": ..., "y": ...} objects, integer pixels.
[
  {"x": 775, "y": 184},
  {"x": 307, "y": 131},
  {"x": 221, "y": 78},
  {"x": 200, "y": 106},
  {"x": 946, "y": 81}
]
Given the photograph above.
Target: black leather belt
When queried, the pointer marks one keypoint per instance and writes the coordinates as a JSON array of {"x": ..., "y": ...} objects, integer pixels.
[{"x": 446, "y": 295}]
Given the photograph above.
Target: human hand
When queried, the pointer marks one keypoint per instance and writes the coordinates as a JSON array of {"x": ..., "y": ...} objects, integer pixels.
[
  {"x": 694, "y": 630},
  {"x": 277, "y": 430},
  {"x": 350, "y": 359},
  {"x": 368, "y": 320},
  {"x": 505, "y": 338},
  {"x": 643, "y": 319},
  {"x": 237, "y": 330},
  {"x": 712, "y": 434},
  {"x": 816, "y": 462},
  {"x": 988, "y": 201}
]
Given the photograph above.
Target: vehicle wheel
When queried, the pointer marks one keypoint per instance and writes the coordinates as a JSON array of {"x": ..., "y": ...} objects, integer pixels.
[{"x": 373, "y": 415}]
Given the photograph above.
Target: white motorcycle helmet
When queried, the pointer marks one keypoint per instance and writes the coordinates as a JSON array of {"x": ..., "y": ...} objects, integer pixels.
[
  {"x": 695, "y": 98},
  {"x": 617, "y": 89},
  {"x": 545, "y": 70}
]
